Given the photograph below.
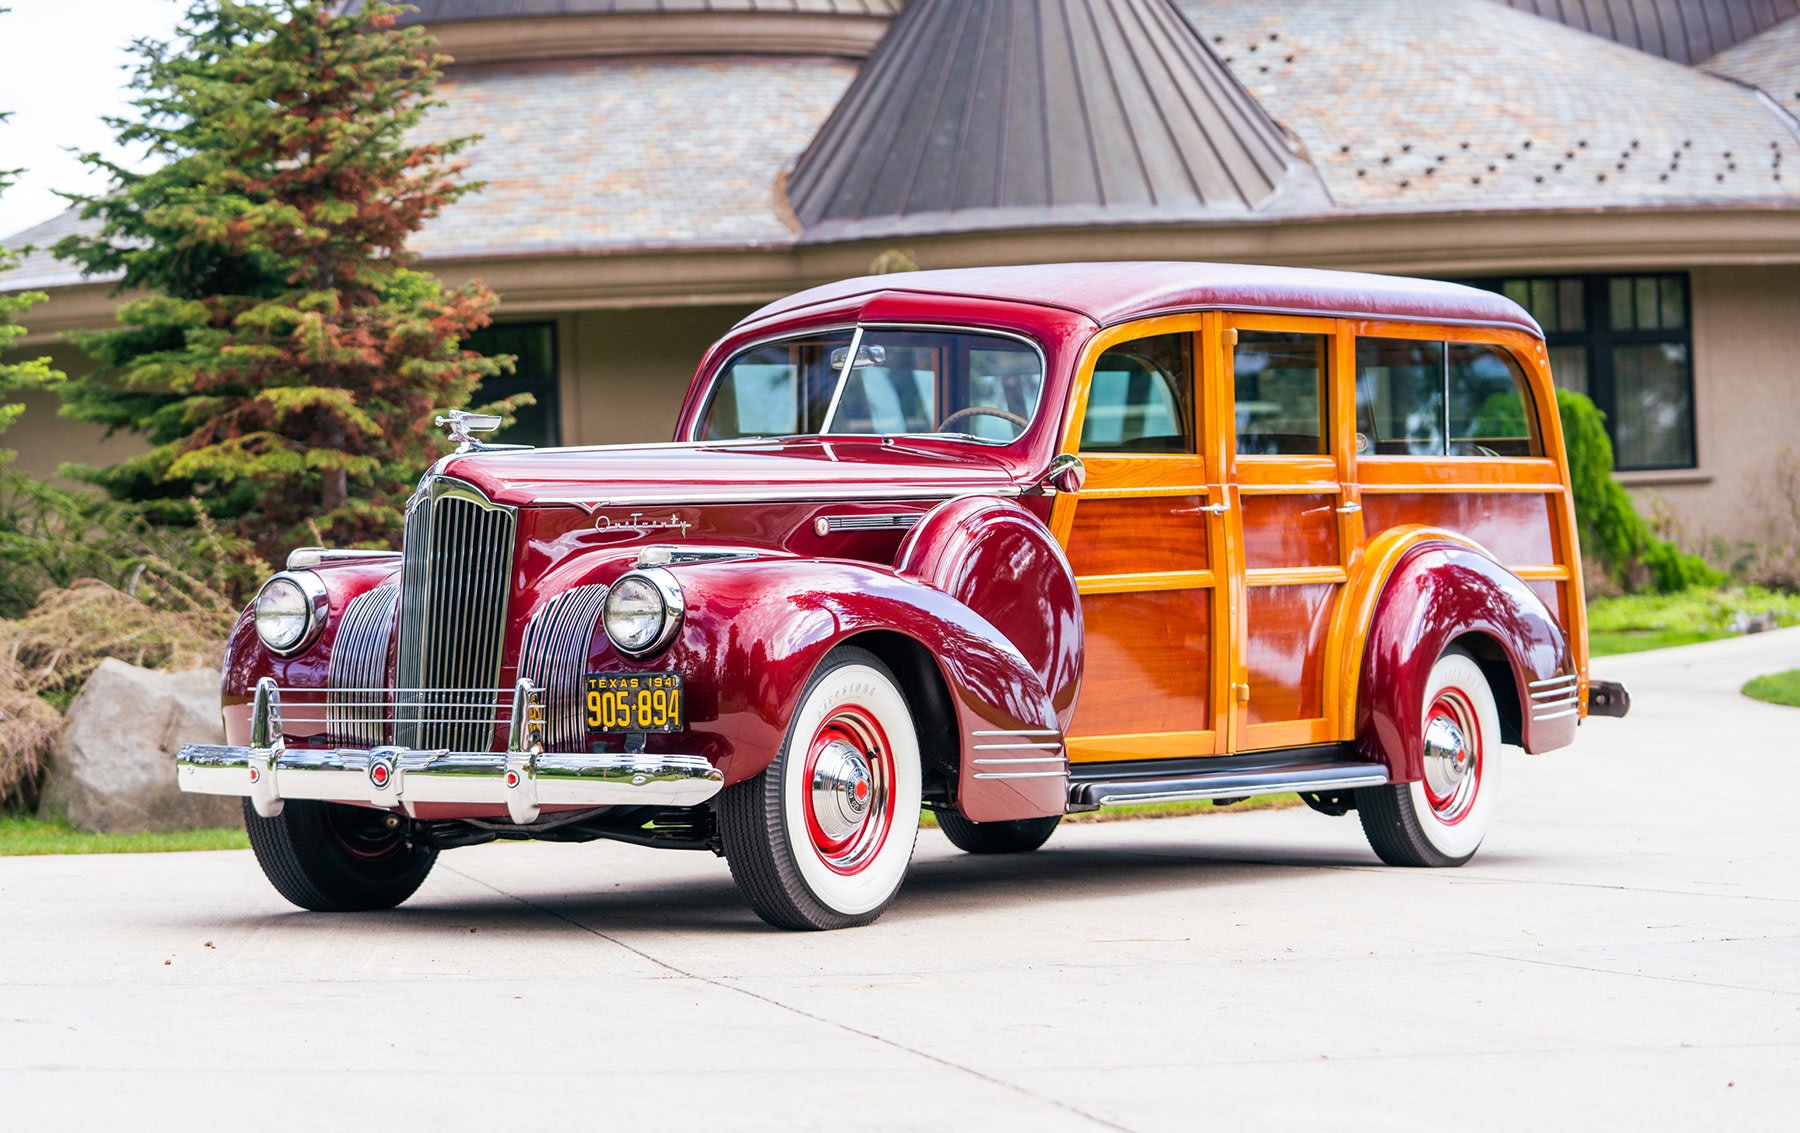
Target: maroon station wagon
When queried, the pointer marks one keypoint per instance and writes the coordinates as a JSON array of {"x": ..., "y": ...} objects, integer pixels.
[{"x": 999, "y": 543}]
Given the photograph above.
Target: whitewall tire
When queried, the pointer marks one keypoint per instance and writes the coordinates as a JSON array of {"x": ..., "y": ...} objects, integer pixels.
[
  {"x": 823, "y": 836},
  {"x": 1441, "y": 819}
]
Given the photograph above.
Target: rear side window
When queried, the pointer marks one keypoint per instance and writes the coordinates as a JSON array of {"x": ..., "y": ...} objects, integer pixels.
[
  {"x": 1140, "y": 398},
  {"x": 1421, "y": 398},
  {"x": 1488, "y": 404},
  {"x": 1279, "y": 380}
]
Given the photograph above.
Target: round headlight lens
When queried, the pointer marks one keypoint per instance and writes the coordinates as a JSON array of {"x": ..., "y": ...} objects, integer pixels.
[
  {"x": 282, "y": 613},
  {"x": 634, "y": 614}
]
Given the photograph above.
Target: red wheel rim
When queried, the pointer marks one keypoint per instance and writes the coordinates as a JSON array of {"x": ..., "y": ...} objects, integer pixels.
[
  {"x": 1453, "y": 757},
  {"x": 850, "y": 851}
]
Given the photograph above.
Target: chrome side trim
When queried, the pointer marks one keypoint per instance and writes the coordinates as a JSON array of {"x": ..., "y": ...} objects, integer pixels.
[
  {"x": 1227, "y": 782},
  {"x": 1036, "y": 759},
  {"x": 1021, "y": 746},
  {"x": 903, "y": 522},
  {"x": 1019, "y": 774},
  {"x": 1017, "y": 732},
  {"x": 305, "y": 558},
  {"x": 1550, "y": 682},
  {"x": 803, "y": 493},
  {"x": 1556, "y": 715}
]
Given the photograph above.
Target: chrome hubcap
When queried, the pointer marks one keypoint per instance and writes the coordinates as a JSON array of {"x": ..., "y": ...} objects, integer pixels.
[
  {"x": 842, "y": 789},
  {"x": 1452, "y": 758}
]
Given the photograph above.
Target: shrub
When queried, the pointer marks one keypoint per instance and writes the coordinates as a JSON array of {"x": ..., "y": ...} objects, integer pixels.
[{"x": 1611, "y": 530}]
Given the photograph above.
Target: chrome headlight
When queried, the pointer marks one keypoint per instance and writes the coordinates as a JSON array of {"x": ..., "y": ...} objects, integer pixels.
[
  {"x": 642, "y": 611},
  {"x": 290, "y": 611}
]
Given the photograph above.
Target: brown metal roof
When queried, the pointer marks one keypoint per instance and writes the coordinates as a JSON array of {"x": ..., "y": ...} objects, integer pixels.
[
  {"x": 445, "y": 11},
  {"x": 981, "y": 114},
  {"x": 1686, "y": 31}
]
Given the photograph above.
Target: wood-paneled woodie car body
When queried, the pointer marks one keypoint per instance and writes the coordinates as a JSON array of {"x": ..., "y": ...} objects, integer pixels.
[{"x": 1001, "y": 543}]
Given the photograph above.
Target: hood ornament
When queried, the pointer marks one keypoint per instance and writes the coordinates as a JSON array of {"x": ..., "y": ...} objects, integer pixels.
[{"x": 462, "y": 424}]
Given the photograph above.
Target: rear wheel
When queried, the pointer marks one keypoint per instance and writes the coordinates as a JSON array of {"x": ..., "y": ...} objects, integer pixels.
[
  {"x": 1013, "y": 837},
  {"x": 1441, "y": 819},
  {"x": 333, "y": 858},
  {"x": 822, "y": 837}
]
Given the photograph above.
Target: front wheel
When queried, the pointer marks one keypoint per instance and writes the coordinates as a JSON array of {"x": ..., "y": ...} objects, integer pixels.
[
  {"x": 1441, "y": 819},
  {"x": 1017, "y": 836},
  {"x": 822, "y": 837},
  {"x": 333, "y": 858}
]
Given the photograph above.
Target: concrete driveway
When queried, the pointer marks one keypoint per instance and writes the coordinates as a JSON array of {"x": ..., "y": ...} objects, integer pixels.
[{"x": 1625, "y": 951}]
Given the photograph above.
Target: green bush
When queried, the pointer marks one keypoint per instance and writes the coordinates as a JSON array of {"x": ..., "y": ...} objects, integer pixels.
[{"x": 1612, "y": 532}]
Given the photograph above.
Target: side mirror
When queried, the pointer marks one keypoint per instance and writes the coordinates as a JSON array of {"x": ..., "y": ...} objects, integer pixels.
[{"x": 1066, "y": 474}]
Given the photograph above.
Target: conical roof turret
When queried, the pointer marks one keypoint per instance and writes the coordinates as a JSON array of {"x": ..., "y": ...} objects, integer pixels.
[{"x": 976, "y": 114}]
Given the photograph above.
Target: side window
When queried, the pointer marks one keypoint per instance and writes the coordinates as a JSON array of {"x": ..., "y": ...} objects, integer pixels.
[
  {"x": 775, "y": 390},
  {"x": 1489, "y": 406},
  {"x": 1280, "y": 382},
  {"x": 1140, "y": 398},
  {"x": 1399, "y": 397}
]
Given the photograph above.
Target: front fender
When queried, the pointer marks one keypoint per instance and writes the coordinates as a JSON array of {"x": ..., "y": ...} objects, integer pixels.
[
  {"x": 755, "y": 630},
  {"x": 1439, "y": 591}
]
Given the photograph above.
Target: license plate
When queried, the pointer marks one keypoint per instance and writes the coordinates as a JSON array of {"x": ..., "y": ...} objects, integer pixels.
[{"x": 634, "y": 702}]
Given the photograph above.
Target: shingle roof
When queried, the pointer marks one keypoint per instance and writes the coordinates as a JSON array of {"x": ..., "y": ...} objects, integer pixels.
[
  {"x": 1770, "y": 61},
  {"x": 1018, "y": 113},
  {"x": 1400, "y": 106},
  {"x": 39, "y": 269},
  {"x": 444, "y": 11},
  {"x": 1685, "y": 31},
  {"x": 617, "y": 154}
]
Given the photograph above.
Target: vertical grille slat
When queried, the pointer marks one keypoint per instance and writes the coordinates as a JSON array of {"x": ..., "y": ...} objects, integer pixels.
[
  {"x": 359, "y": 661},
  {"x": 554, "y": 657},
  {"x": 456, "y": 583}
]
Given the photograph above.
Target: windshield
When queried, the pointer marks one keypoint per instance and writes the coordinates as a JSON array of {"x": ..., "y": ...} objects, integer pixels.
[{"x": 981, "y": 387}]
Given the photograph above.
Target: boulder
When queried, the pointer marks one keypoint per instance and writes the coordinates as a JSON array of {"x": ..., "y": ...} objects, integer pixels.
[{"x": 114, "y": 771}]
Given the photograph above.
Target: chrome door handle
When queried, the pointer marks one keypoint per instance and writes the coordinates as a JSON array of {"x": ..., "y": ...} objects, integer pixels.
[
  {"x": 1348, "y": 508},
  {"x": 1215, "y": 509}
]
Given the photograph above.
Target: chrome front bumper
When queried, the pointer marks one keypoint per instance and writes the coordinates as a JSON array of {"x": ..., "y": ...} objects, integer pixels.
[{"x": 524, "y": 778}]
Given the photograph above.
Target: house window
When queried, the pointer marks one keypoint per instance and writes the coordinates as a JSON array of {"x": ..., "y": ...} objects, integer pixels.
[
  {"x": 534, "y": 372},
  {"x": 1625, "y": 341}
]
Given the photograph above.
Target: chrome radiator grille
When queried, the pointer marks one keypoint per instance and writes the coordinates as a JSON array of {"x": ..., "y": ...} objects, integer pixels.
[
  {"x": 358, "y": 663},
  {"x": 455, "y": 584},
  {"x": 554, "y": 657}
]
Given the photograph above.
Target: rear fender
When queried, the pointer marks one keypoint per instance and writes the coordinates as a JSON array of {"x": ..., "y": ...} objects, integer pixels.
[
  {"x": 755, "y": 630},
  {"x": 1439, "y": 589}
]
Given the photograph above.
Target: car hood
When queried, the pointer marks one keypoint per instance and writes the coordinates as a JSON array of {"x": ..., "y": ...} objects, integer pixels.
[{"x": 808, "y": 468}]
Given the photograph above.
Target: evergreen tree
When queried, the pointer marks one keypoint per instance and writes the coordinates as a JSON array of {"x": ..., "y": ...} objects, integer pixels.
[
  {"x": 32, "y": 373},
  {"x": 286, "y": 362}
]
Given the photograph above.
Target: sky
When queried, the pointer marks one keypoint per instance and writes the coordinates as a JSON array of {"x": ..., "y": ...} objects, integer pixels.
[{"x": 62, "y": 67}]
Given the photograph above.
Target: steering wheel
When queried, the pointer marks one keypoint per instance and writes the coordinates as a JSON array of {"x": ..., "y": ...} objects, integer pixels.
[{"x": 989, "y": 410}]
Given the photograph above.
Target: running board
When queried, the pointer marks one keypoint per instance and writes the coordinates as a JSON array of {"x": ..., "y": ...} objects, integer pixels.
[{"x": 1306, "y": 770}]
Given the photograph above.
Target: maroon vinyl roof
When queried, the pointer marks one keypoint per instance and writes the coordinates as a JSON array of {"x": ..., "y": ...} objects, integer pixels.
[{"x": 1115, "y": 292}]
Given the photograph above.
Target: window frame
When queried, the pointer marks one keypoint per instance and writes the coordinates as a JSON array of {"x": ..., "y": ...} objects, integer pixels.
[{"x": 1599, "y": 337}]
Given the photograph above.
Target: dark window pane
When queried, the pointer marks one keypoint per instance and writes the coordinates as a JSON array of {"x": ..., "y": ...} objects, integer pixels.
[
  {"x": 1139, "y": 399},
  {"x": 533, "y": 346},
  {"x": 1543, "y": 303},
  {"x": 1280, "y": 381},
  {"x": 1571, "y": 310},
  {"x": 1489, "y": 406},
  {"x": 1674, "y": 305},
  {"x": 1649, "y": 311},
  {"x": 1518, "y": 290},
  {"x": 1569, "y": 366},
  {"x": 1653, "y": 406},
  {"x": 1399, "y": 397},
  {"x": 1619, "y": 296}
]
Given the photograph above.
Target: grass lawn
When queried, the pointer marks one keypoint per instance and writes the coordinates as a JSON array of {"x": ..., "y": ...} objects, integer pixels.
[
  {"x": 1636, "y": 622},
  {"x": 1776, "y": 688},
  {"x": 24, "y": 835}
]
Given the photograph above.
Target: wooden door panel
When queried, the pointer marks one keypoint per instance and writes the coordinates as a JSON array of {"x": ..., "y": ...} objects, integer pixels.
[
  {"x": 1286, "y": 656},
  {"x": 1515, "y": 526},
  {"x": 1290, "y": 531},
  {"x": 1134, "y": 535},
  {"x": 1148, "y": 667}
]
